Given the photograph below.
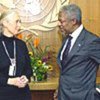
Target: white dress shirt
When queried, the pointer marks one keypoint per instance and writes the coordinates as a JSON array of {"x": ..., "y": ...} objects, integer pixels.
[{"x": 74, "y": 36}]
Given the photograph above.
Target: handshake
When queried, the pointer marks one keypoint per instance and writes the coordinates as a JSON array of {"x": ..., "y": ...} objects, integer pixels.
[{"x": 20, "y": 82}]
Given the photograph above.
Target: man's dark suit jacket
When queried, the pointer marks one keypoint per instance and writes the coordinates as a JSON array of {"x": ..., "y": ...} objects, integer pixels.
[{"x": 78, "y": 73}]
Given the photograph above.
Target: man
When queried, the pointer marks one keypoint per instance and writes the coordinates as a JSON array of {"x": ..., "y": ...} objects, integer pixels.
[{"x": 79, "y": 63}]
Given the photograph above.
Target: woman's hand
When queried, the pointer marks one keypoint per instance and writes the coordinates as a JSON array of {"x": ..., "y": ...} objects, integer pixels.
[
  {"x": 20, "y": 82},
  {"x": 24, "y": 79}
]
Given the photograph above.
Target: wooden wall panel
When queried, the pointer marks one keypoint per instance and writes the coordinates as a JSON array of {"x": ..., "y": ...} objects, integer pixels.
[{"x": 90, "y": 14}]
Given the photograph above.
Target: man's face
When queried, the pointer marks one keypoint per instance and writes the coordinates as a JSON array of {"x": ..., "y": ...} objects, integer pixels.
[{"x": 64, "y": 23}]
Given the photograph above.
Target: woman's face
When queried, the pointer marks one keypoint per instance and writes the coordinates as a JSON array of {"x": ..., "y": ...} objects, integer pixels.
[{"x": 13, "y": 24}]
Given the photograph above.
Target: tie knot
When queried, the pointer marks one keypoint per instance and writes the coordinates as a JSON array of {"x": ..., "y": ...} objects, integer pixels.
[{"x": 69, "y": 37}]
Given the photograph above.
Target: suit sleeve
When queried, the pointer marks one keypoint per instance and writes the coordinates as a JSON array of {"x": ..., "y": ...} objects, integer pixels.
[
  {"x": 3, "y": 80},
  {"x": 94, "y": 50},
  {"x": 28, "y": 68}
]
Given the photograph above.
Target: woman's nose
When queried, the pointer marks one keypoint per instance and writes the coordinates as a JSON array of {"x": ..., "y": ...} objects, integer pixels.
[{"x": 19, "y": 23}]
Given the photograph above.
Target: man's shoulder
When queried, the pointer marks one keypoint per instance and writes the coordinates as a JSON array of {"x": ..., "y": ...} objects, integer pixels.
[
  {"x": 90, "y": 34},
  {"x": 89, "y": 37}
]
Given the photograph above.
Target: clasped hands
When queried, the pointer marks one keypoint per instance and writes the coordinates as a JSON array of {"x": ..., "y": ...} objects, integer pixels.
[{"x": 20, "y": 82}]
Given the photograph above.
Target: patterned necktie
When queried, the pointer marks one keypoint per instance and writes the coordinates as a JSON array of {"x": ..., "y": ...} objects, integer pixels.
[{"x": 66, "y": 51}]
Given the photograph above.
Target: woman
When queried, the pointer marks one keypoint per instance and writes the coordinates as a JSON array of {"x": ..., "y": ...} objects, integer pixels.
[{"x": 15, "y": 69}]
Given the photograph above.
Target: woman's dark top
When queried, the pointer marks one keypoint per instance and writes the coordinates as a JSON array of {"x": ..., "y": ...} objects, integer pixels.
[{"x": 9, "y": 92}]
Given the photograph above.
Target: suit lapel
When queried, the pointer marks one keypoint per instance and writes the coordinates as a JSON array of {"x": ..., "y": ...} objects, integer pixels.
[{"x": 77, "y": 46}]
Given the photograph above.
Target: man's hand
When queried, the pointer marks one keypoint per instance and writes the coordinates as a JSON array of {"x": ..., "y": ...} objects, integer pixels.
[{"x": 55, "y": 95}]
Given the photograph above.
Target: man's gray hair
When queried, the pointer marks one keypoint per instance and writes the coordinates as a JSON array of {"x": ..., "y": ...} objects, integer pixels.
[{"x": 72, "y": 11}]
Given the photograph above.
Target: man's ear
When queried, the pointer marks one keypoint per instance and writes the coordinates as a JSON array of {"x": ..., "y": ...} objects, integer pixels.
[{"x": 74, "y": 21}]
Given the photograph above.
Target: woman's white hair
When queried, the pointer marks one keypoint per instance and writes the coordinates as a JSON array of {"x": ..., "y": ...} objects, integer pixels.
[{"x": 3, "y": 16}]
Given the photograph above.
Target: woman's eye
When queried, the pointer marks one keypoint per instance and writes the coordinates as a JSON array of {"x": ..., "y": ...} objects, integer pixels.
[{"x": 18, "y": 21}]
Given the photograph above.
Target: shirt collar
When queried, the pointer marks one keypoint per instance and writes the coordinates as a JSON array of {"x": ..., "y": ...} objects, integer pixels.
[{"x": 77, "y": 32}]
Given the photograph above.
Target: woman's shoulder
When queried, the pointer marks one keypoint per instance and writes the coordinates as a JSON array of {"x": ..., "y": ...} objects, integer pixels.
[{"x": 20, "y": 42}]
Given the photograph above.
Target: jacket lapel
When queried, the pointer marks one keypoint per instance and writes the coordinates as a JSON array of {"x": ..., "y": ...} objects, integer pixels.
[{"x": 77, "y": 46}]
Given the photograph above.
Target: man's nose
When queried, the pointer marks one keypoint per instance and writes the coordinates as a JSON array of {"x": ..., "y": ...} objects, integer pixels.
[{"x": 59, "y": 23}]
